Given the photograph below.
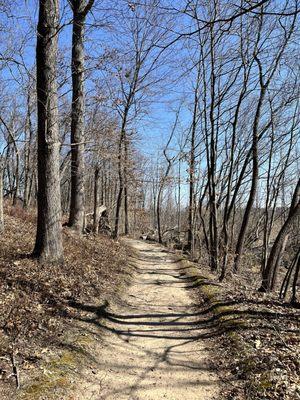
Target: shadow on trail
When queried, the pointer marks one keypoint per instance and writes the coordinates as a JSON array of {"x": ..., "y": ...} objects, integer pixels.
[{"x": 170, "y": 327}]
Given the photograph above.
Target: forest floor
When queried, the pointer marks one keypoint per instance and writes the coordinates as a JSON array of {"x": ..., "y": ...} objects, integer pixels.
[
  {"x": 132, "y": 320},
  {"x": 41, "y": 344},
  {"x": 258, "y": 335}
]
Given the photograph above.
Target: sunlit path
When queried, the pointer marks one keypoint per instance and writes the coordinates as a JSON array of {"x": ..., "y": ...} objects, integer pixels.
[{"x": 153, "y": 344}]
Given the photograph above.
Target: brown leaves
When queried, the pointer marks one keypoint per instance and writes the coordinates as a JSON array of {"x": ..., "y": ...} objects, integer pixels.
[{"x": 34, "y": 299}]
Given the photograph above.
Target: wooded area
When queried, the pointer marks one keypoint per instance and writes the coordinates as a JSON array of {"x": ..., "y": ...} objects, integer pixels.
[
  {"x": 175, "y": 122},
  {"x": 225, "y": 181}
]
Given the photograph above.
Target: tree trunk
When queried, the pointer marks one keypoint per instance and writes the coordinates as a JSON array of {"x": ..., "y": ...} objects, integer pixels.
[
  {"x": 254, "y": 182},
  {"x": 126, "y": 226},
  {"x": 158, "y": 214},
  {"x": 190, "y": 239},
  {"x": 96, "y": 202},
  {"x": 76, "y": 217},
  {"x": 1, "y": 196},
  {"x": 48, "y": 245},
  {"x": 28, "y": 167},
  {"x": 15, "y": 179},
  {"x": 121, "y": 186},
  {"x": 295, "y": 281},
  {"x": 16, "y": 175},
  {"x": 211, "y": 155},
  {"x": 272, "y": 265},
  {"x": 227, "y": 208},
  {"x": 179, "y": 196}
]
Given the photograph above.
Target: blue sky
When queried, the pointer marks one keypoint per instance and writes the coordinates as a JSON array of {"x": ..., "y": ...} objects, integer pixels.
[
  {"x": 154, "y": 122},
  {"x": 156, "y": 119}
]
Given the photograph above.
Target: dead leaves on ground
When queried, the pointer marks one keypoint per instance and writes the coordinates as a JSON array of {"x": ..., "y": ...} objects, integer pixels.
[{"x": 34, "y": 298}]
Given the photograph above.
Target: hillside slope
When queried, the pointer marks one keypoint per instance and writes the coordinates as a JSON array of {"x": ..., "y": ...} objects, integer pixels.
[{"x": 34, "y": 299}]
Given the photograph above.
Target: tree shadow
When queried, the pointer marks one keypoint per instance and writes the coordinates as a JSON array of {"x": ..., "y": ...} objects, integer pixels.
[{"x": 178, "y": 325}]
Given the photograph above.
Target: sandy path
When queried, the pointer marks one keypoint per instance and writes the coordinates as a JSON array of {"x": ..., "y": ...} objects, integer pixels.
[{"x": 152, "y": 347}]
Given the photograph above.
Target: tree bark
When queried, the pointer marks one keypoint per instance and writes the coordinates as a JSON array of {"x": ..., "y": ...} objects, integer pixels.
[
  {"x": 126, "y": 216},
  {"x": 254, "y": 182},
  {"x": 1, "y": 196},
  {"x": 96, "y": 202},
  {"x": 28, "y": 165},
  {"x": 77, "y": 213},
  {"x": 48, "y": 245},
  {"x": 295, "y": 281},
  {"x": 190, "y": 239},
  {"x": 272, "y": 265},
  {"x": 121, "y": 184},
  {"x": 15, "y": 179},
  {"x": 211, "y": 154}
]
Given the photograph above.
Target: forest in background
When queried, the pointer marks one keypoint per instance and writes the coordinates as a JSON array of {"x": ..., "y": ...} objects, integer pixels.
[{"x": 175, "y": 121}]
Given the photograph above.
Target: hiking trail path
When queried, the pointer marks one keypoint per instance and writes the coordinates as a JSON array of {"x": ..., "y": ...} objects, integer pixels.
[{"x": 155, "y": 343}]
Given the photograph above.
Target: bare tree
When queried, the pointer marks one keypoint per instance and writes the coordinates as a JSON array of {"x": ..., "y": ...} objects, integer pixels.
[
  {"x": 1, "y": 195},
  {"x": 48, "y": 245},
  {"x": 137, "y": 70},
  {"x": 80, "y": 10},
  {"x": 269, "y": 273},
  {"x": 264, "y": 82},
  {"x": 170, "y": 160}
]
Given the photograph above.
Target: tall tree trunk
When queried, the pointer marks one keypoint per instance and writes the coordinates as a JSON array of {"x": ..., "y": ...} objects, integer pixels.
[
  {"x": 28, "y": 167},
  {"x": 121, "y": 185},
  {"x": 164, "y": 178},
  {"x": 48, "y": 245},
  {"x": 190, "y": 240},
  {"x": 179, "y": 196},
  {"x": 202, "y": 220},
  {"x": 121, "y": 171},
  {"x": 211, "y": 165},
  {"x": 16, "y": 175},
  {"x": 242, "y": 234},
  {"x": 126, "y": 225},
  {"x": 264, "y": 84},
  {"x": 1, "y": 196},
  {"x": 96, "y": 201},
  {"x": 15, "y": 179},
  {"x": 227, "y": 208},
  {"x": 158, "y": 203},
  {"x": 76, "y": 217}
]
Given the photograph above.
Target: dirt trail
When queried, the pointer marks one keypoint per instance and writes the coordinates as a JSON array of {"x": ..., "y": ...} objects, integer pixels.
[{"x": 152, "y": 346}]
